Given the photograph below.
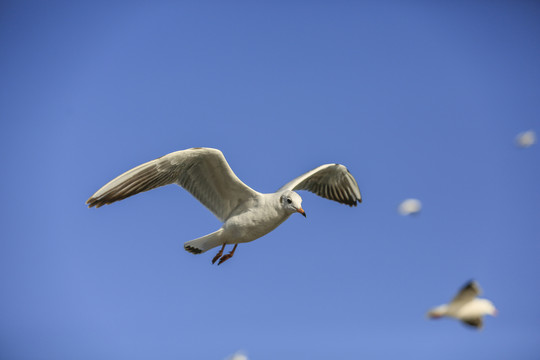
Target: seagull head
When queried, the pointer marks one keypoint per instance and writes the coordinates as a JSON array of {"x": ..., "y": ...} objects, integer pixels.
[
  {"x": 292, "y": 202},
  {"x": 486, "y": 307}
]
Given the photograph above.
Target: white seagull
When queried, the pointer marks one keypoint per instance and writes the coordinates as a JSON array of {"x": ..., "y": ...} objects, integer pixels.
[
  {"x": 465, "y": 306},
  {"x": 246, "y": 214},
  {"x": 526, "y": 139},
  {"x": 410, "y": 207}
]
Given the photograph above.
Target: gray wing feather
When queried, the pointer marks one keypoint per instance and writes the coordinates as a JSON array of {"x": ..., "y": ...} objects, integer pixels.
[
  {"x": 203, "y": 172},
  {"x": 331, "y": 181},
  {"x": 467, "y": 293},
  {"x": 476, "y": 322}
]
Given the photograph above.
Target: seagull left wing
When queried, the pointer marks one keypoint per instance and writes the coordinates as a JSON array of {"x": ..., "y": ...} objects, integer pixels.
[
  {"x": 476, "y": 322},
  {"x": 331, "y": 181},
  {"x": 203, "y": 172}
]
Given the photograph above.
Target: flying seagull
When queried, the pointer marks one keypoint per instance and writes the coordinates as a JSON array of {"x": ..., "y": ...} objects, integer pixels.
[
  {"x": 246, "y": 214},
  {"x": 465, "y": 306},
  {"x": 410, "y": 207},
  {"x": 526, "y": 139}
]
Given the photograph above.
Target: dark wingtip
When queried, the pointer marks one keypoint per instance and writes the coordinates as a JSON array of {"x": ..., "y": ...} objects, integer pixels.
[
  {"x": 475, "y": 323},
  {"x": 354, "y": 202},
  {"x": 192, "y": 249},
  {"x": 93, "y": 202}
]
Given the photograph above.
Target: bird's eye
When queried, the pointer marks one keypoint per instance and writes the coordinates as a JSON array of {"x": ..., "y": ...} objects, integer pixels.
[{"x": 289, "y": 201}]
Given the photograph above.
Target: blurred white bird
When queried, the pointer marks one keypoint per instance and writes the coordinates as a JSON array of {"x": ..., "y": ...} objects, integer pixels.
[
  {"x": 246, "y": 214},
  {"x": 526, "y": 139},
  {"x": 466, "y": 307},
  {"x": 239, "y": 355},
  {"x": 410, "y": 207}
]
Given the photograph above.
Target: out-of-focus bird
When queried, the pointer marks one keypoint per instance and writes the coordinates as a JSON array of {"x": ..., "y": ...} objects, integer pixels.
[
  {"x": 410, "y": 207},
  {"x": 526, "y": 139},
  {"x": 246, "y": 214},
  {"x": 466, "y": 307},
  {"x": 239, "y": 355}
]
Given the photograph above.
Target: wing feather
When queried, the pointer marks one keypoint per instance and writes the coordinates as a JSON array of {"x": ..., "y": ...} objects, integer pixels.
[
  {"x": 330, "y": 181},
  {"x": 476, "y": 322},
  {"x": 467, "y": 293},
  {"x": 203, "y": 172}
]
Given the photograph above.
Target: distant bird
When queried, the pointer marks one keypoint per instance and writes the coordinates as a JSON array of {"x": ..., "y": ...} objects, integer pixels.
[
  {"x": 526, "y": 139},
  {"x": 239, "y": 355},
  {"x": 246, "y": 214},
  {"x": 465, "y": 306},
  {"x": 410, "y": 207}
]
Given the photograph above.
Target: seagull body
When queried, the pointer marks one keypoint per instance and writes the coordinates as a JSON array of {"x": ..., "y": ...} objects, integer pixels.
[
  {"x": 410, "y": 207},
  {"x": 246, "y": 214},
  {"x": 466, "y": 307},
  {"x": 526, "y": 139}
]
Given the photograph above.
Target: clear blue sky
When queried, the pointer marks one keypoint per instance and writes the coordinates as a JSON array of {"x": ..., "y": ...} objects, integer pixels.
[{"x": 418, "y": 99}]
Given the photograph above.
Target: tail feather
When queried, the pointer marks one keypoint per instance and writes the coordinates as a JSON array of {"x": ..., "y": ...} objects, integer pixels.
[
  {"x": 204, "y": 243},
  {"x": 438, "y": 312}
]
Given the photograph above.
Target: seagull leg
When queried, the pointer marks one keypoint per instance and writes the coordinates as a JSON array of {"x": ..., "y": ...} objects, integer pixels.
[
  {"x": 227, "y": 256},
  {"x": 218, "y": 255}
]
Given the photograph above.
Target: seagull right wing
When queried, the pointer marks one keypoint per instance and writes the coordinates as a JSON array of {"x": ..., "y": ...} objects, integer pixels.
[
  {"x": 467, "y": 293},
  {"x": 203, "y": 172},
  {"x": 331, "y": 181}
]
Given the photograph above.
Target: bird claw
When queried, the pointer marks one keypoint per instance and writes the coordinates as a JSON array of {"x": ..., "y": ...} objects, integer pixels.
[
  {"x": 224, "y": 258},
  {"x": 218, "y": 255}
]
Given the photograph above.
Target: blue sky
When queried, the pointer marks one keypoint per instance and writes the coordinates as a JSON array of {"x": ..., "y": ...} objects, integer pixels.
[{"x": 418, "y": 99}]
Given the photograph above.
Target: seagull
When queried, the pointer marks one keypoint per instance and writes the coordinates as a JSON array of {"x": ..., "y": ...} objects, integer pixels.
[
  {"x": 526, "y": 139},
  {"x": 239, "y": 355},
  {"x": 465, "y": 306},
  {"x": 410, "y": 207},
  {"x": 246, "y": 214}
]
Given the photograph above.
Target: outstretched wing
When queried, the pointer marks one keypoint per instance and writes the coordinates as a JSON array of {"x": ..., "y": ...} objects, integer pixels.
[
  {"x": 331, "y": 181},
  {"x": 476, "y": 322},
  {"x": 203, "y": 172},
  {"x": 467, "y": 293}
]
